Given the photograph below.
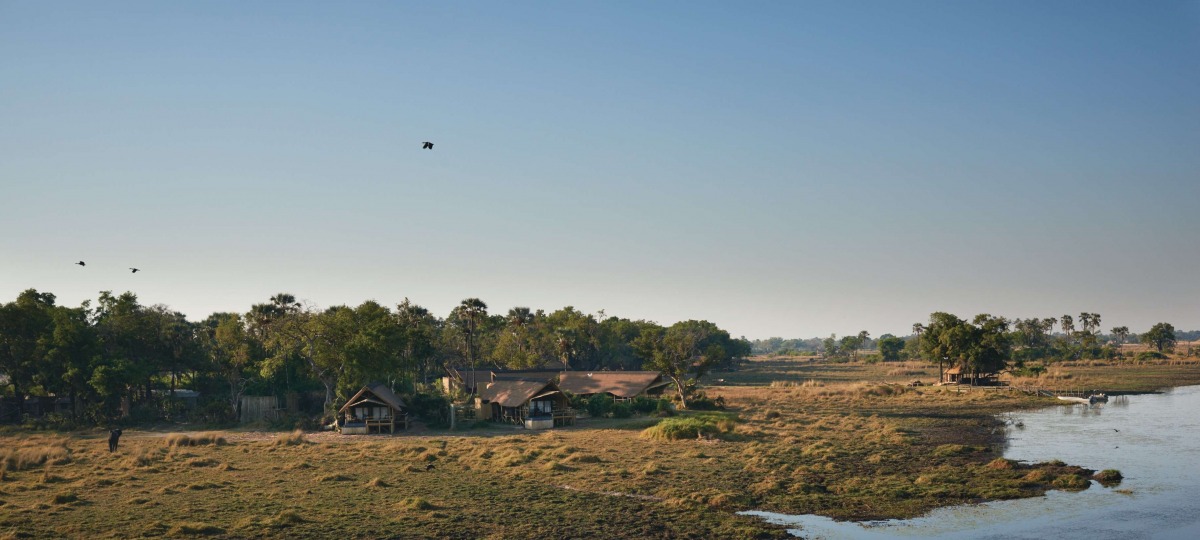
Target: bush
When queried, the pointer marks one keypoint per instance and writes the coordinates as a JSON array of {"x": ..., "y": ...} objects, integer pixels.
[
  {"x": 599, "y": 405},
  {"x": 1150, "y": 355},
  {"x": 701, "y": 402},
  {"x": 622, "y": 410},
  {"x": 433, "y": 409},
  {"x": 1108, "y": 477},
  {"x": 692, "y": 427}
]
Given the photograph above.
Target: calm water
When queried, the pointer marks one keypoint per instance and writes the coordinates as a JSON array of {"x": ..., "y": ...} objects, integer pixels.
[{"x": 1154, "y": 440}]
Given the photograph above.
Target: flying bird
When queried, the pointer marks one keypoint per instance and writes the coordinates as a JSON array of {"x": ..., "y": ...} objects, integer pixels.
[
  {"x": 427, "y": 145},
  {"x": 81, "y": 263},
  {"x": 133, "y": 270}
]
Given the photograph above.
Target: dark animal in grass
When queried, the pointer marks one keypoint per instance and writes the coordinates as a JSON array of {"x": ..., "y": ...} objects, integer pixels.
[
  {"x": 427, "y": 145},
  {"x": 81, "y": 263},
  {"x": 429, "y": 466},
  {"x": 114, "y": 437}
]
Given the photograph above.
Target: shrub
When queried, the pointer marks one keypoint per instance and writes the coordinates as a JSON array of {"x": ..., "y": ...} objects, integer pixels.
[
  {"x": 691, "y": 427},
  {"x": 433, "y": 409},
  {"x": 1108, "y": 477},
  {"x": 646, "y": 405},
  {"x": 701, "y": 402},
  {"x": 1150, "y": 355},
  {"x": 599, "y": 405},
  {"x": 622, "y": 410},
  {"x": 1071, "y": 481}
]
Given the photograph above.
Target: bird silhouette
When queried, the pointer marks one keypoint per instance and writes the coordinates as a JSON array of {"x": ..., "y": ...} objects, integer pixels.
[
  {"x": 133, "y": 270},
  {"x": 1116, "y": 430},
  {"x": 427, "y": 145},
  {"x": 81, "y": 263}
]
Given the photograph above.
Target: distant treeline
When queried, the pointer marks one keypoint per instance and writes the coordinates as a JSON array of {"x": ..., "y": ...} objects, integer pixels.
[
  {"x": 119, "y": 358},
  {"x": 1020, "y": 340}
]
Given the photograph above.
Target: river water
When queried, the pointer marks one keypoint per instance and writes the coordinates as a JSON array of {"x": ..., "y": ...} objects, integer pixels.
[{"x": 1153, "y": 439}]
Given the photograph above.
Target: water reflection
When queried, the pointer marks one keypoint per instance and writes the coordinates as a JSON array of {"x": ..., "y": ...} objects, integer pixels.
[{"x": 1154, "y": 440}]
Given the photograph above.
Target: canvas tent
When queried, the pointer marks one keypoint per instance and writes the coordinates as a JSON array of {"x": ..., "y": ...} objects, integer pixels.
[{"x": 375, "y": 407}]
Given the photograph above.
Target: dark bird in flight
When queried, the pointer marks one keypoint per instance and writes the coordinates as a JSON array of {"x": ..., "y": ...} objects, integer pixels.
[
  {"x": 81, "y": 263},
  {"x": 427, "y": 145},
  {"x": 1116, "y": 430},
  {"x": 133, "y": 270}
]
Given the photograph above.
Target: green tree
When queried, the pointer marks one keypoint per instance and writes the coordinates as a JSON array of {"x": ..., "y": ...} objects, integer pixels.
[
  {"x": 469, "y": 320},
  {"x": 231, "y": 353},
  {"x": 1068, "y": 326},
  {"x": 890, "y": 347},
  {"x": 946, "y": 341},
  {"x": 1121, "y": 333},
  {"x": 829, "y": 346},
  {"x": 918, "y": 329},
  {"x": 25, "y": 328},
  {"x": 131, "y": 352},
  {"x": 1161, "y": 336},
  {"x": 685, "y": 352},
  {"x": 420, "y": 329},
  {"x": 575, "y": 337},
  {"x": 290, "y": 330},
  {"x": 72, "y": 347},
  {"x": 516, "y": 346},
  {"x": 991, "y": 345}
]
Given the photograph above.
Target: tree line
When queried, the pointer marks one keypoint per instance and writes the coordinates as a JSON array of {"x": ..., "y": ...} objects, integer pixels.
[
  {"x": 985, "y": 343},
  {"x": 118, "y": 357}
]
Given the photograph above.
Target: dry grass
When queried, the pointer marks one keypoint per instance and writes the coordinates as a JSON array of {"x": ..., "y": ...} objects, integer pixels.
[
  {"x": 837, "y": 447},
  {"x": 35, "y": 452},
  {"x": 292, "y": 439},
  {"x": 194, "y": 439}
]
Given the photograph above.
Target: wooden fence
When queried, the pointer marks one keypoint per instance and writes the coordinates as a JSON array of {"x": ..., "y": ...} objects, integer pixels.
[{"x": 258, "y": 409}]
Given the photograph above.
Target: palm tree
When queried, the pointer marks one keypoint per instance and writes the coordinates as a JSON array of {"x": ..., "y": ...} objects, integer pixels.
[
  {"x": 1068, "y": 325},
  {"x": 470, "y": 312},
  {"x": 917, "y": 329}
]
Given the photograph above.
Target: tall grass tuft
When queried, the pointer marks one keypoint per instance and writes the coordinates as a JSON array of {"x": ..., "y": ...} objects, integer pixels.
[
  {"x": 199, "y": 439},
  {"x": 37, "y": 455},
  {"x": 415, "y": 503},
  {"x": 294, "y": 438},
  {"x": 192, "y": 529}
]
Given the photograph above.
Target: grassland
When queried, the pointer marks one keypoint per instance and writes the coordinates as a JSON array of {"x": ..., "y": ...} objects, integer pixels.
[{"x": 797, "y": 437}]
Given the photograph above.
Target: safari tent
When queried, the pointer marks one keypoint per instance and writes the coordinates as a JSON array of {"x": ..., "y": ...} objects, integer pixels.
[
  {"x": 375, "y": 407},
  {"x": 621, "y": 385},
  {"x": 534, "y": 403}
]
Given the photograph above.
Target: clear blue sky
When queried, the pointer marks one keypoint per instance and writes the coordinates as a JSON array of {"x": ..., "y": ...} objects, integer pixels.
[{"x": 779, "y": 168}]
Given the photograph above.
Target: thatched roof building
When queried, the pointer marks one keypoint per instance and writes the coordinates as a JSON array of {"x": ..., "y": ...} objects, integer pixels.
[
  {"x": 619, "y": 384},
  {"x": 959, "y": 375},
  {"x": 374, "y": 406},
  {"x": 536, "y": 403}
]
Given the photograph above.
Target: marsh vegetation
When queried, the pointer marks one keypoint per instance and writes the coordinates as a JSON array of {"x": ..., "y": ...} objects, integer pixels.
[{"x": 839, "y": 440}]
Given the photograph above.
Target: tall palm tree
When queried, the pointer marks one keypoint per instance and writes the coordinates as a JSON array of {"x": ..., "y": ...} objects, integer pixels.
[
  {"x": 917, "y": 329},
  {"x": 470, "y": 313}
]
